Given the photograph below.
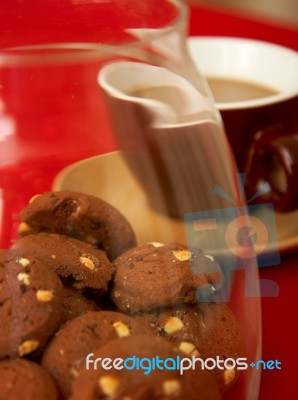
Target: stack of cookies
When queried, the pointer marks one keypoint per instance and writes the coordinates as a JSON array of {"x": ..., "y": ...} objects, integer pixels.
[{"x": 77, "y": 287}]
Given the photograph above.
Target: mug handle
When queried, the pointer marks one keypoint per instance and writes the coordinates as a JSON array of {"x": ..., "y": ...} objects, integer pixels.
[{"x": 273, "y": 161}]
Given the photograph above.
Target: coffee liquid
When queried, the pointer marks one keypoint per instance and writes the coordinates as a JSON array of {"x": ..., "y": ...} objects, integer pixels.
[{"x": 227, "y": 90}]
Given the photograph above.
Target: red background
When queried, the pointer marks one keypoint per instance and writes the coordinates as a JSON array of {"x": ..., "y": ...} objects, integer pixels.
[{"x": 280, "y": 329}]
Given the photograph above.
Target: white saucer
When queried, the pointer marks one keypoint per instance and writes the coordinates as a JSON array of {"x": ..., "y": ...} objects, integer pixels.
[{"x": 108, "y": 177}]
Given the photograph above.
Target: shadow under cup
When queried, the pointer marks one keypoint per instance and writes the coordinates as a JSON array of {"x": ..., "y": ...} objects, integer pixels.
[{"x": 255, "y": 88}]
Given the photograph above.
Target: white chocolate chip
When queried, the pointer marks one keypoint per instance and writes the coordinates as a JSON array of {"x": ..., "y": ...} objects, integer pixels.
[
  {"x": 182, "y": 255},
  {"x": 33, "y": 198},
  {"x": 156, "y": 244},
  {"x": 210, "y": 257},
  {"x": 91, "y": 240},
  {"x": 78, "y": 285},
  {"x": 24, "y": 278},
  {"x": 77, "y": 211},
  {"x": 195, "y": 353},
  {"x": 44, "y": 295},
  {"x": 53, "y": 256},
  {"x": 27, "y": 347},
  {"x": 121, "y": 329},
  {"x": 229, "y": 375},
  {"x": 108, "y": 385},
  {"x": 87, "y": 262},
  {"x": 173, "y": 324},
  {"x": 187, "y": 347},
  {"x": 171, "y": 387},
  {"x": 24, "y": 228},
  {"x": 74, "y": 372},
  {"x": 23, "y": 261}
]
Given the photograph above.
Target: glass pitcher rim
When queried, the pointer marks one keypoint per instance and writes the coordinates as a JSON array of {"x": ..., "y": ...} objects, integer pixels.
[{"x": 69, "y": 52}]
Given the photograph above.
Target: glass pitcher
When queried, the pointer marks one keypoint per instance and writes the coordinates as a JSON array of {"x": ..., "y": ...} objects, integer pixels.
[{"x": 102, "y": 98}]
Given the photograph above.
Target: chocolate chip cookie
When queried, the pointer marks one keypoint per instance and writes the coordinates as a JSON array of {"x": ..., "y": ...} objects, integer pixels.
[
  {"x": 26, "y": 380},
  {"x": 68, "y": 349},
  {"x": 77, "y": 263},
  {"x": 30, "y": 306},
  {"x": 161, "y": 275},
  {"x": 75, "y": 304},
  {"x": 81, "y": 216},
  {"x": 205, "y": 330},
  {"x": 148, "y": 381}
]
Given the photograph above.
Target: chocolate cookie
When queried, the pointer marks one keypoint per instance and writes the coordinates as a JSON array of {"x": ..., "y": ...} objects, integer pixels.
[
  {"x": 78, "y": 264},
  {"x": 161, "y": 275},
  {"x": 148, "y": 381},
  {"x": 74, "y": 304},
  {"x": 68, "y": 349},
  {"x": 30, "y": 306},
  {"x": 81, "y": 216},
  {"x": 26, "y": 380},
  {"x": 205, "y": 330}
]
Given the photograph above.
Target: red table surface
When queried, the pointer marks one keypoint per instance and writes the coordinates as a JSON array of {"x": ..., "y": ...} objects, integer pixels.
[{"x": 280, "y": 328}]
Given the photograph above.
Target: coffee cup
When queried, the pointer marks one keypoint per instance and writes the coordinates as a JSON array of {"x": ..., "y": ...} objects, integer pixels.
[{"x": 255, "y": 88}]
